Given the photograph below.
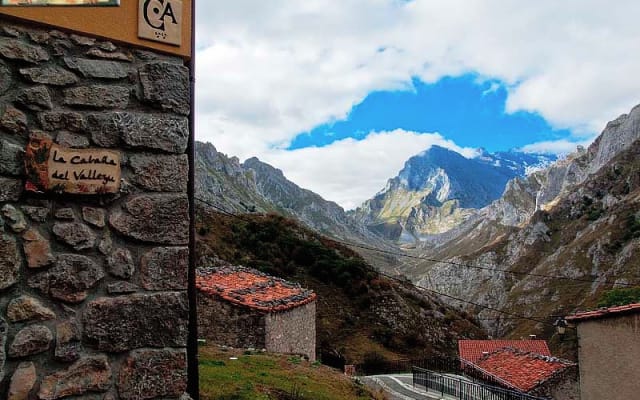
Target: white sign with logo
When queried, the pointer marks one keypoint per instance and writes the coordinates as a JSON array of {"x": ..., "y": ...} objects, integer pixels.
[{"x": 161, "y": 21}]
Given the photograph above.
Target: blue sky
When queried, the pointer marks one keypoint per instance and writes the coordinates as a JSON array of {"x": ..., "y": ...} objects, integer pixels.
[
  {"x": 339, "y": 94},
  {"x": 463, "y": 109}
]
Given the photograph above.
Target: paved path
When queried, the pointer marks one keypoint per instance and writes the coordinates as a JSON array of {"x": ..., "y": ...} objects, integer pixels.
[{"x": 400, "y": 387}]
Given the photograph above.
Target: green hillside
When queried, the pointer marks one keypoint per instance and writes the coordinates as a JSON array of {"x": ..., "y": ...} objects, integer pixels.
[{"x": 359, "y": 312}]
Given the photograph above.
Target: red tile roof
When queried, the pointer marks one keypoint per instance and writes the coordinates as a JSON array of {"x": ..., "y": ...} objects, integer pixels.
[
  {"x": 252, "y": 288},
  {"x": 471, "y": 350},
  {"x": 604, "y": 312},
  {"x": 523, "y": 371}
]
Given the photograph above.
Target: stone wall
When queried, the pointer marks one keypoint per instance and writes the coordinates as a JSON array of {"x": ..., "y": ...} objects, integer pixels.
[
  {"x": 293, "y": 331},
  {"x": 93, "y": 298},
  {"x": 562, "y": 386},
  {"x": 224, "y": 323}
]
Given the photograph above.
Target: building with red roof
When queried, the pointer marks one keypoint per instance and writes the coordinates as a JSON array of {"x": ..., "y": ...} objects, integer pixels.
[
  {"x": 245, "y": 308},
  {"x": 522, "y": 365},
  {"x": 609, "y": 352},
  {"x": 473, "y": 350},
  {"x": 530, "y": 373}
]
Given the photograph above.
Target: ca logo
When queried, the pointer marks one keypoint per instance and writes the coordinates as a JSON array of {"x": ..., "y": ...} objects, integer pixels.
[
  {"x": 158, "y": 12},
  {"x": 160, "y": 20}
]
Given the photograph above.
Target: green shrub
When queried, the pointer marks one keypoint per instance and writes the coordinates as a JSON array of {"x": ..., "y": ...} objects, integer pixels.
[{"x": 620, "y": 297}]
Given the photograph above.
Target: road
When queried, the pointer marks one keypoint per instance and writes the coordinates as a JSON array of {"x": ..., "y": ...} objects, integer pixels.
[{"x": 399, "y": 387}]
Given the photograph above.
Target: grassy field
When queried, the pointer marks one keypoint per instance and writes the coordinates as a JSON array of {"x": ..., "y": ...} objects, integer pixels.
[{"x": 257, "y": 376}]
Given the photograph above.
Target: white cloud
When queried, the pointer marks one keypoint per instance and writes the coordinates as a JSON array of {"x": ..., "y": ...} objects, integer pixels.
[
  {"x": 351, "y": 171},
  {"x": 562, "y": 146},
  {"x": 267, "y": 70}
]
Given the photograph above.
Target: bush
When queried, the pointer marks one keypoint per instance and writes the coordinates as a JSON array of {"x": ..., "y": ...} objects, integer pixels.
[{"x": 620, "y": 297}]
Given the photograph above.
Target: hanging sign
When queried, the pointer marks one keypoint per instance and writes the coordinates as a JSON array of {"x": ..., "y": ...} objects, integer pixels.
[
  {"x": 53, "y": 168},
  {"x": 160, "y": 21}
]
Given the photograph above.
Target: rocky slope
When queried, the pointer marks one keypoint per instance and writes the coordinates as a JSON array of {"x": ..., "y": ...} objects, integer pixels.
[
  {"x": 579, "y": 218},
  {"x": 438, "y": 189},
  {"x": 257, "y": 187}
]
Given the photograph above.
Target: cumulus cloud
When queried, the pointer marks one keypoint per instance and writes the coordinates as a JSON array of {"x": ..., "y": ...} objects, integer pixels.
[
  {"x": 351, "y": 171},
  {"x": 267, "y": 70}
]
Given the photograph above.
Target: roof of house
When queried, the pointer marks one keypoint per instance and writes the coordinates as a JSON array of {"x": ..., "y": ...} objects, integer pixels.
[
  {"x": 251, "y": 288},
  {"x": 604, "y": 313},
  {"x": 472, "y": 350},
  {"x": 522, "y": 370}
]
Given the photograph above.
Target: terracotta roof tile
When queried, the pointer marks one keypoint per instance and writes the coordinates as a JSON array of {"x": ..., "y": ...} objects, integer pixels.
[
  {"x": 252, "y": 288},
  {"x": 524, "y": 371},
  {"x": 604, "y": 312},
  {"x": 471, "y": 350}
]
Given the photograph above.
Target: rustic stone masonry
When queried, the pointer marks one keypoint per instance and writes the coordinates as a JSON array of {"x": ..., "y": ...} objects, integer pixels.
[
  {"x": 242, "y": 307},
  {"x": 93, "y": 288}
]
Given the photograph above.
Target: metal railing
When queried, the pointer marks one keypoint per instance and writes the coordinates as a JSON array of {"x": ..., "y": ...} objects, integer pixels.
[
  {"x": 463, "y": 389},
  {"x": 440, "y": 364}
]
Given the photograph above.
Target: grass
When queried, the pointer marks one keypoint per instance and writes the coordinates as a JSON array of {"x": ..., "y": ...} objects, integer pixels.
[{"x": 264, "y": 376}]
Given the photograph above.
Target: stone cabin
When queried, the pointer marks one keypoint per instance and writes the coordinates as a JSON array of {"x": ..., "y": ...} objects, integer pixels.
[
  {"x": 243, "y": 308},
  {"x": 609, "y": 352}
]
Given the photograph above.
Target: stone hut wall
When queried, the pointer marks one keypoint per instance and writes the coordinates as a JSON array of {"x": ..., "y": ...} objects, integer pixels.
[
  {"x": 93, "y": 299},
  {"x": 563, "y": 386},
  {"x": 225, "y": 323},
  {"x": 293, "y": 331}
]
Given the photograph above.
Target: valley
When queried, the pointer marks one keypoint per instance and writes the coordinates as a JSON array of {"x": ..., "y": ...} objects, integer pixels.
[{"x": 538, "y": 236}]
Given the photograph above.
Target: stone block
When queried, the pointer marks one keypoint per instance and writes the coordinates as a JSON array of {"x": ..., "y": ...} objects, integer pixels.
[
  {"x": 144, "y": 131},
  {"x": 14, "y": 121},
  {"x": 22, "y": 381},
  {"x": 4, "y": 329},
  {"x": 11, "y": 158},
  {"x": 27, "y": 308},
  {"x": 9, "y": 261},
  {"x": 33, "y": 339},
  {"x": 116, "y": 56},
  {"x": 97, "y": 96},
  {"x": 97, "y": 68},
  {"x": 77, "y": 235},
  {"x": 6, "y": 80},
  {"x": 68, "y": 341},
  {"x": 82, "y": 40},
  {"x": 116, "y": 324},
  {"x": 15, "y": 219},
  {"x": 61, "y": 120},
  {"x": 35, "y": 98},
  {"x": 10, "y": 189},
  {"x": 160, "y": 173},
  {"x": 73, "y": 140},
  {"x": 120, "y": 263},
  {"x": 69, "y": 279},
  {"x": 15, "y": 49},
  {"x": 49, "y": 75},
  {"x": 160, "y": 218},
  {"x": 121, "y": 287},
  {"x": 37, "y": 249},
  {"x": 94, "y": 216},
  {"x": 37, "y": 214},
  {"x": 150, "y": 374},
  {"x": 165, "y": 268},
  {"x": 166, "y": 86},
  {"x": 89, "y": 374},
  {"x": 65, "y": 213}
]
